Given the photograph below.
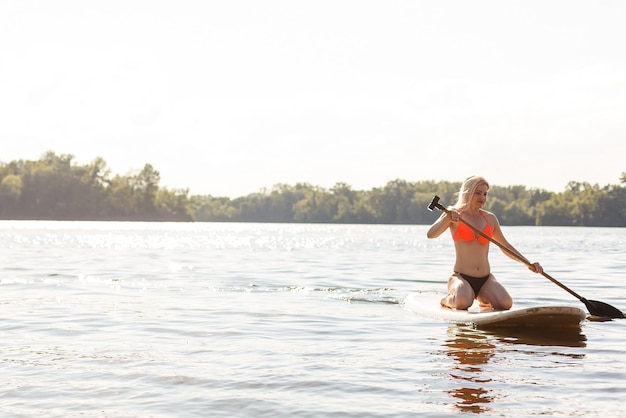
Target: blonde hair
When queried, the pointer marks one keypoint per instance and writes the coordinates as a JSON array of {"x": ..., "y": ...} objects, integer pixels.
[{"x": 468, "y": 188}]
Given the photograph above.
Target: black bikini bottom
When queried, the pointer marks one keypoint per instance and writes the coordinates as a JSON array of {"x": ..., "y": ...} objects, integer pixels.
[{"x": 475, "y": 282}]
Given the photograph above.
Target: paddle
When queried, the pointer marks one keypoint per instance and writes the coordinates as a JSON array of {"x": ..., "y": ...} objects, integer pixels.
[{"x": 595, "y": 307}]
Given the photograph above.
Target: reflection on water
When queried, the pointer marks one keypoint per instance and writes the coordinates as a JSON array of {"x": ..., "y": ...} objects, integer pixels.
[
  {"x": 473, "y": 349},
  {"x": 566, "y": 337}
]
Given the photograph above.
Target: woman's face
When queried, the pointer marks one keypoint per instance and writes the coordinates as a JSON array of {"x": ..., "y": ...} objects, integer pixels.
[{"x": 480, "y": 196}]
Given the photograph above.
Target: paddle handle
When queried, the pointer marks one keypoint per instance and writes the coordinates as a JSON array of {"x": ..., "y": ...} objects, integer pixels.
[{"x": 435, "y": 204}]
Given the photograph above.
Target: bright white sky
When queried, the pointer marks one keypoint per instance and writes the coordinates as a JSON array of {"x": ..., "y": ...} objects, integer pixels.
[{"x": 228, "y": 97}]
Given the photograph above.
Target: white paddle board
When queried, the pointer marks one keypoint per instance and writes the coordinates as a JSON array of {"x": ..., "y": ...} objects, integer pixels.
[{"x": 428, "y": 305}]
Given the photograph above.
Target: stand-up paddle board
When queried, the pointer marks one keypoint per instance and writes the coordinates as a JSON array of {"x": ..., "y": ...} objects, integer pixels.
[{"x": 428, "y": 305}]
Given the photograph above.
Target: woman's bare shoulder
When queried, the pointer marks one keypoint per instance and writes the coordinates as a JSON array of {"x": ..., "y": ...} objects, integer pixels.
[{"x": 491, "y": 216}]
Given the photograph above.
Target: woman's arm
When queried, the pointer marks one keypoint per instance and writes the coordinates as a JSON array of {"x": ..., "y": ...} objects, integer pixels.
[
  {"x": 442, "y": 223},
  {"x": 513, "y": 254}
]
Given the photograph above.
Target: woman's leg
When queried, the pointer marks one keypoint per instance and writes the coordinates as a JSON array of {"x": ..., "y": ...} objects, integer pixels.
[
  {"x": 494, "y": 294},
  {"x": 460, "y": 293}
]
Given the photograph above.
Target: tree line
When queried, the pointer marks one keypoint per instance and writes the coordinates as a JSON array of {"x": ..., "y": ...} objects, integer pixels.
[
  {"x": 403, "y": 202},
  {"x": 55, "y": 187}
]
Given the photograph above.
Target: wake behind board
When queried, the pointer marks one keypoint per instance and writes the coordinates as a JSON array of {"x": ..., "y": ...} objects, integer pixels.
[{"x": 428, "y": 305}]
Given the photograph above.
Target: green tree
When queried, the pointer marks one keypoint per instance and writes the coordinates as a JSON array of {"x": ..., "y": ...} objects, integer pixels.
[
  {"x": 145, "y": 186},
  {"x": 343, "y": 201},
  {"x": 316, "y": 206},
  {"x": 174, "y": 205},
  {"x": 10, "y": 193},
  {"x": 214, "y": 209},
  {"x": 121, "y": 201}
]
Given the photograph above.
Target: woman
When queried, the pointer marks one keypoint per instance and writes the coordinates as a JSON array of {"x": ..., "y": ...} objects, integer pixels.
[{"x": 472, "y": 278}]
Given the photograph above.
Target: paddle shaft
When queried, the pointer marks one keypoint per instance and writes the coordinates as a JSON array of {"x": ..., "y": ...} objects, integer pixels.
[{"x": 513, "y": 253}]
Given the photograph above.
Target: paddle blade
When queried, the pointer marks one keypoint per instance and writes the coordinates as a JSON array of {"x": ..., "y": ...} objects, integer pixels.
[{"x": 598, "y": 308}]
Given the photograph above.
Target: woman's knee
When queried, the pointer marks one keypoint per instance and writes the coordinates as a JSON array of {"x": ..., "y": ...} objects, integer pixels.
[
  {"x": 459, "y": 301},
  {"x": 501, "y": 299},
  {"x": 494, "y": 294},
  {"x": 463, "y": 302},
  {"x": 460, "y": 293},
  {"x": 504, "y": 302}
]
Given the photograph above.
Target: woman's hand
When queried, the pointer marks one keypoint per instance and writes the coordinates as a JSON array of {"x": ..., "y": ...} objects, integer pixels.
[{"x": 536, "y": 267}]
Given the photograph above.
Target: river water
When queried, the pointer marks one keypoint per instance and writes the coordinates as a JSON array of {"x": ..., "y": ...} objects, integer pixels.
[{"x": 286, "y": 320}]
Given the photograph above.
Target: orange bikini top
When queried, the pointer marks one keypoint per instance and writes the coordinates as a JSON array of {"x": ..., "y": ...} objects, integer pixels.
[{"x": 465, "y": 233}]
